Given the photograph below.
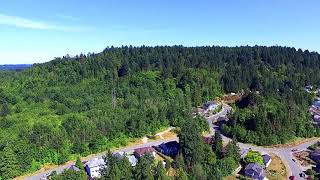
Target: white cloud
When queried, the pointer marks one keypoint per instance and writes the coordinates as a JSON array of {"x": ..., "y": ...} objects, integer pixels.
[{"x": 21, "y": 22}]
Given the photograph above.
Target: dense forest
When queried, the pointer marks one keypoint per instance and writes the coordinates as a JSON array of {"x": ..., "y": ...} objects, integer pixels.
[{"x": 53, "y": 111}]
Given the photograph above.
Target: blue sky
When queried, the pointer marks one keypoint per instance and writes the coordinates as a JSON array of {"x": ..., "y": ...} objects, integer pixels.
[{"x": 37, "y": 31}]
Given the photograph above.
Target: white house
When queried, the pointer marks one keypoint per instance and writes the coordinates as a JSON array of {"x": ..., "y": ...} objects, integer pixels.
[
  {"x": 94, "y": 166},
  {"x": 210, "y": 105},
  {"x": 132, "y": 159}
]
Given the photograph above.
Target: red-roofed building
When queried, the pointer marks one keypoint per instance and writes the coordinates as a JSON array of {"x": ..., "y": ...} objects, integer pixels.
[{"x": 142, "y": 151}]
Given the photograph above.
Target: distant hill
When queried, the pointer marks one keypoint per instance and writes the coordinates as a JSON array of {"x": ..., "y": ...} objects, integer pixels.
[{"x": 14, "y": 67}]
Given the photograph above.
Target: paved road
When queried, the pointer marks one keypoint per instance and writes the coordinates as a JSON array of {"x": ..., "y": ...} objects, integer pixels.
[
  {"x": 127, "y": 149},
  {"x": 284, "y": 153}
]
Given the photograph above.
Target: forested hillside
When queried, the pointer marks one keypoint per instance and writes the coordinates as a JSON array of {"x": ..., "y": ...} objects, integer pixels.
[{"x": 92, "y": 102}]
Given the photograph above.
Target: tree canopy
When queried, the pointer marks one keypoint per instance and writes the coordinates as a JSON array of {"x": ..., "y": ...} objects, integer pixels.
[{"x": 90, "y": 103}]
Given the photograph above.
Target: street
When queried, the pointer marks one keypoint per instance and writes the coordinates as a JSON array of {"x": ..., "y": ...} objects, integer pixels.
[
  {"x": 293, "y": 168},
  {"x": 63, "y": 167}
]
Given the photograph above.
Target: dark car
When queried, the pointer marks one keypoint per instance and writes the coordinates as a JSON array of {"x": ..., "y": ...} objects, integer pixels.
[
  {"x": 302, "y": 175},
  {"x": 291, "y": 178},
  {"x": 293, "y": 160}
]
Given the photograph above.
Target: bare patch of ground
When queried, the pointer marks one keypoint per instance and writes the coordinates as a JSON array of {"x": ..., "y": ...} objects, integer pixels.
[
  {"x": 276, "y": 170},
  {"x": 231, "y": 177},
  {"x": 304, "y": 158}
]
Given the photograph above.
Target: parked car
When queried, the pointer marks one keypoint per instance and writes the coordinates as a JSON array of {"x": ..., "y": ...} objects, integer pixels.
[
  {"x": 293, "y": 160},
  {"x": 291, "y": 177},
  {"x": 294, "y": 150},
  {"x": 302, "y": 175}
]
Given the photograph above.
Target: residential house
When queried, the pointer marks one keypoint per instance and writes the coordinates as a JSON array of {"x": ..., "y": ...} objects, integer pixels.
[
  {"x": 316, "y": 118},
  {"x": 171, "y": 148},
  {"x": 197, "y": 111},
  {"x": 315, "y": 155},
  {"x": 266, "y": 159},
  {"x": 210, "y": 105},
  {"x": 132, "y": 159},
  {"x": 316, "y": 105},
  {"x": 94, "y": 166},
  {"x": 255, "y": 171},
  {"x": 138, "y": 153}
]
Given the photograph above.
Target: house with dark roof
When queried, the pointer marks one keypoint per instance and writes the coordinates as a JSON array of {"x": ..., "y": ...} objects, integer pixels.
[
  {"x": 138, "y": 153},
  {"x": 315, "y": 155},
  {"x": 316, "y": 104},
  {"x": 266, "y": 159},
  {"x": 171, "y": 148},
  {"x": 254, "y": 171},
  {"x": 316, "y": 119}
]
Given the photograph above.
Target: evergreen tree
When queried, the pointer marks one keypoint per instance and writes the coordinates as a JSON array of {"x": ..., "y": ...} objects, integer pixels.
[
  {"x": 4, "y": 110},
  {"x": 191, "y": 143},
  {"x": 233, "y": 150},
  {"x": 143, "y": 169},
  {"x": 78, "y": 163},
  {"x": 198, "y": 172},
  {"x": 126, "y": 169},
  {"x": 9, "y": 166},
  {"x": 114, "y": 172},
  {"x": 179, "y": 161},
  {"x": 160, "y": 172},
  {"x": 214, "y": 172},
  {"x": 217, "y": 145},
  {"x": 181, "y": 174},
  {"x": 209, "y": 156}
]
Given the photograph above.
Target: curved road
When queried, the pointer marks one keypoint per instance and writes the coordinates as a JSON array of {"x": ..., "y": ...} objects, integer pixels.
[
  {"x": 284, "y": 153},
  {"x": 293, "y": 168}
]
